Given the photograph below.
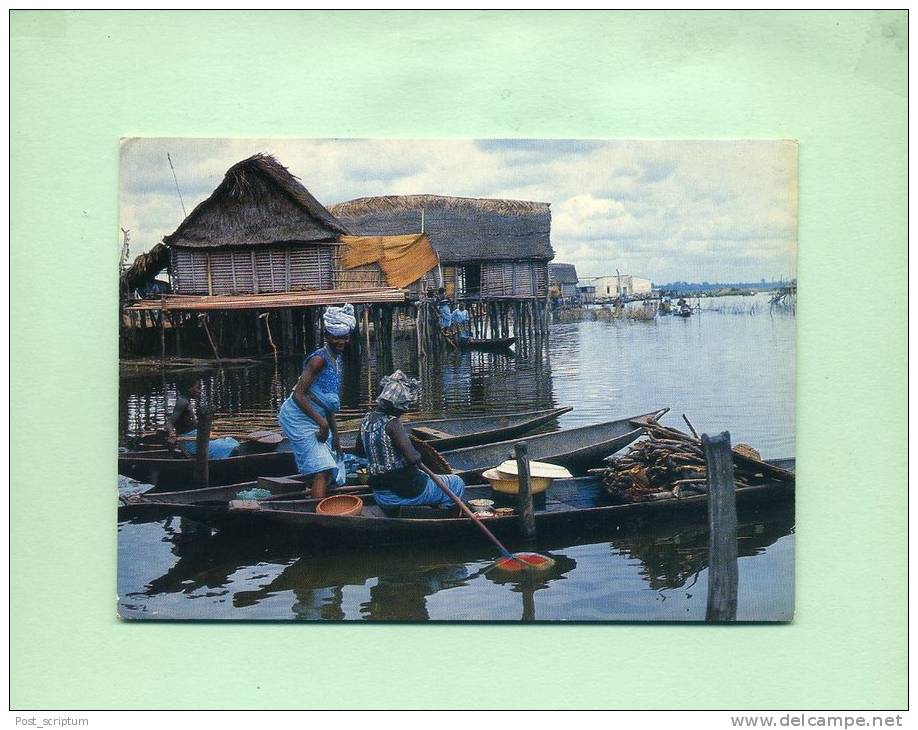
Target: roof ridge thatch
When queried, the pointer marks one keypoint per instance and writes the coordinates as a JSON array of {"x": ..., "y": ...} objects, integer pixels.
[
  {"x": 247, "y": 187},
  {"x": 460, "y": 229},
  {"x": 384, "y": 203}
]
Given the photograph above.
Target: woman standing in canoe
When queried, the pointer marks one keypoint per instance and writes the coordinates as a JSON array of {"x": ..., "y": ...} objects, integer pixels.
[{"x": 307, "y": 417}]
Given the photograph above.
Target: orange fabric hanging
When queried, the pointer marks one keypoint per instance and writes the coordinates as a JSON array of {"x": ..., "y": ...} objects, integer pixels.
[
  {"x": 360, "y": 250},
  {"x": 403, "y": 259}
]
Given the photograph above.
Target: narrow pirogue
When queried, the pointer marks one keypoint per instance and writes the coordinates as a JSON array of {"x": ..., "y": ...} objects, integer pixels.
[
  {"x": 167, "y": 470},
  {"x": 574, "y": 448}
]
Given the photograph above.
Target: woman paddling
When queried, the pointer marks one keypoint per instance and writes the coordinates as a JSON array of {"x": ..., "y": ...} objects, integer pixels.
[
  {"x": 307, "y": 417},
  {"x": 393, "y": 461}
]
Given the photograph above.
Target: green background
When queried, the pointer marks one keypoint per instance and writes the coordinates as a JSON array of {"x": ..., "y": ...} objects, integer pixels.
[{"x": 834, "y": 81}]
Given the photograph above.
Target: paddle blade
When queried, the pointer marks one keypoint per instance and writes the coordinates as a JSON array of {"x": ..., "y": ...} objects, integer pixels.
[{"x": 524, "y": 561}]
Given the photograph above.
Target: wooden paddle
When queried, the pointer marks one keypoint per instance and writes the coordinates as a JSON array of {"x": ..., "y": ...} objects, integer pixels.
[
  {"x": 431, "y": 457},
  {"x": 506, "y": 554}
]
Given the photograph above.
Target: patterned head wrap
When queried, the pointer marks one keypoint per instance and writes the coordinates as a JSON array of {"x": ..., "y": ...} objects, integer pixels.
[
  {"x": 339, "y": 321},
  {"x": 399, "y": 391}
]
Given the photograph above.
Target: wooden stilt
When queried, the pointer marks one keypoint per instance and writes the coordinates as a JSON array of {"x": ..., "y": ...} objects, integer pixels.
[
  {"x": 162, "y": 336},
  {"x": 210, "y": 338},
  {"x": 266, "y": 316},
  {"x": 366, "y": 334},
  {"x": 177, "y": 324}
]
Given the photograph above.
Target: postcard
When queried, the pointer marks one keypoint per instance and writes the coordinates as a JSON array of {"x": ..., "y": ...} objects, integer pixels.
[{"x": 481, "y": 380}]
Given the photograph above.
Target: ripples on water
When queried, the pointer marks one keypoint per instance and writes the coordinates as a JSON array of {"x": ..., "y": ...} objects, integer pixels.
[{"x": 725, "y": 370}]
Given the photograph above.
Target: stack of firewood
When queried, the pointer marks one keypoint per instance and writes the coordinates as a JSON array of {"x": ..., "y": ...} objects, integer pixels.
[{"x": 670, "y": 463}]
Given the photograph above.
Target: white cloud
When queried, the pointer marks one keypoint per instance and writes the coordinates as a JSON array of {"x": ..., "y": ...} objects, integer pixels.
[{"x": 665, "y": 210}]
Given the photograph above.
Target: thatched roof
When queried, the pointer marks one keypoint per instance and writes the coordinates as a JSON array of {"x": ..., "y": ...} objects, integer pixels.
[
  {"x": 562, "y": 273},
  {"x": 259, "y": 202},
  {"x": 460, "y": 229},
  {"x": 145, "y": 268}
]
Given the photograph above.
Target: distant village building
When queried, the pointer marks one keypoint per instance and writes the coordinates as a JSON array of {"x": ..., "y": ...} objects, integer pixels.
[
  {"x": 488, "y": 249},
  {"x": 624, "y": 285},
  {"x": 260, "y": 231},
  {"x": 564, "y": 277},
  {"x": 586, "y": 293}
]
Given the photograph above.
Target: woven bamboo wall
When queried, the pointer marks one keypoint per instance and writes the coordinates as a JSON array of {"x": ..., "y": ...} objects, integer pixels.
[
  {"x": 252, "y": 270},
  {"x": 506, "y": 279}
]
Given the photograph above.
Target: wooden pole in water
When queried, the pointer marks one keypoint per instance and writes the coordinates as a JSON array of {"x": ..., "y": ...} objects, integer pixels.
[
  {"x": 162, "y": 336},
  {"x": 210, "y": 338},
  {"x": 723, "y": 574},
  {"x": 265, "y": 316},
  {"x": 177, "y": 329},
  {"x": 389, "y": 321},
  {"x": 524, "y": 494},
  {"x": 202, "y": 475},
  {"x": 366, "y": 334}
]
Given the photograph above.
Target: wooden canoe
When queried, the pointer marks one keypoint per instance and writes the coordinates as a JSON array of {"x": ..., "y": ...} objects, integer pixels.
[
  {"x": 473, "y": 430},
  {"x": 574, "y": 448},
  {"x": 167, "y": 470},
  {"x": 212, "y": 501},
  {"x": 497, "y": 343},
  {"x": 571, "y": 506}
]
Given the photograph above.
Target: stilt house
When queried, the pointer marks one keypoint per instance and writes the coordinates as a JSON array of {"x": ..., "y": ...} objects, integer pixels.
[
  {"x": 488, "y": 249},
  {"x": 260, "y": 231}
]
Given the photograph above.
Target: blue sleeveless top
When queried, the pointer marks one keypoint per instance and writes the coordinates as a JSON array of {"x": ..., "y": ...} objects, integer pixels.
[{"x": 326, "y": 388}]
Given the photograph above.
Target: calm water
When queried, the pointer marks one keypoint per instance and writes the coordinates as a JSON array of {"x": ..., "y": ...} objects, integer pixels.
[{"x": 731, "y": 368}]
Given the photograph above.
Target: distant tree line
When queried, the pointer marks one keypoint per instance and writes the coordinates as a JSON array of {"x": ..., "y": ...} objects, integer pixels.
[{"x": 684, "y": 287}]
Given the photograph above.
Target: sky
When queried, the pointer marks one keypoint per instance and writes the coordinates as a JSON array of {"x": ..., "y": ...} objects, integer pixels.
[{"x": 717, "y": 211}]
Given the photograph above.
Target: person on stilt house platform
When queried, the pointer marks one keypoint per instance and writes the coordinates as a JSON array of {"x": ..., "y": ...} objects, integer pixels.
[
  {"x": 395, "y": 476},
  {"x": 460, "y": 323},
  {"x": 444, "y": 310},
  {"x": 182, "y": 425},
  {"x": 307, "y": 417}
]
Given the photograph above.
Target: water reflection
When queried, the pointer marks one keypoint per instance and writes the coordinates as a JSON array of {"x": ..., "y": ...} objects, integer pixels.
[
  {"x": 316, "y": 584},
  {"x": 673, "y": 554},
  {"x": 642, "y": 563},
  {"x": 460, "y": 382}
]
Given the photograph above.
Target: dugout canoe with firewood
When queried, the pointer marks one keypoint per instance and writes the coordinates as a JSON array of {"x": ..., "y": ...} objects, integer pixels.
[
  {"x": 171, "y": 470},
  {"x": 569, "y": 506},
  {"x": 577, "y": 449}
]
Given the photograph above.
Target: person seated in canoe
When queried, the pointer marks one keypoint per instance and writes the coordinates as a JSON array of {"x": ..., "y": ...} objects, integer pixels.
[
  {"x": 460, "y": 323},
  {"x": 307, "y": 417},
  {"x": 182, "y": 425},
  {"x": 393, "y": 463}
]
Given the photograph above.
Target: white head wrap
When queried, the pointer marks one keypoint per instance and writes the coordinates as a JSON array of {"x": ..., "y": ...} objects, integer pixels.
[
  {"x": 399, "y": 390},
  {"x": 339, "y": 321}
]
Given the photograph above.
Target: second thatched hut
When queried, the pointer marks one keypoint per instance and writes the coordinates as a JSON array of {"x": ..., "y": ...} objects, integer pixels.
[{"x": 488, "y": 248}]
